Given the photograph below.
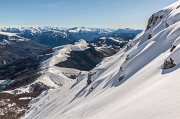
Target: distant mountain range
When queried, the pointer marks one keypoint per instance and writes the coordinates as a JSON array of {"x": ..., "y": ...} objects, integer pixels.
[{"x": 56, "y": 36}]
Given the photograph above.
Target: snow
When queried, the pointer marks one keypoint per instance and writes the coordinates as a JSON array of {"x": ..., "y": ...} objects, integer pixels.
[
  {"x": 146, "y": 92},
  {"x": 60, "y": 53},
  {"x": 7, "y": 34},
  {"x": 21, "y": 90},
  {"x": 25, "y": 98},
  {"x": 102, "y": 38},
  {"x": 80, "y": 46},
  {"x": 176, "y": 42},
  {"x": 116, "y": 40},
  {"x": 54, "y": 76},
  {"x": 78, "y": 29},
  {"x": 1, "y": 81},
  {"x": 11, "y": 37},
  {"x": 85, "y": 29}
]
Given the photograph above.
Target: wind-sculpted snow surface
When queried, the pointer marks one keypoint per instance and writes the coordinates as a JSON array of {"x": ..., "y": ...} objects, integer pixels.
[{"x": 132, "y": 84}]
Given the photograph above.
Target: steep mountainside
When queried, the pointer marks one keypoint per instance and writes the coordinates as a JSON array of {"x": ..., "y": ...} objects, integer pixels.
[{"x": 139, "y": 82}]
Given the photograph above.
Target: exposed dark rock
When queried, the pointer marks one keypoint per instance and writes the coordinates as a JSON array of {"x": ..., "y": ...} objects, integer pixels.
[
  {"x": 127, "y": 57},
  {"x": 150, "y": 36},
  {"x": 91, "y": 89},
  {"x": 89, "y": 79},
  {"x": 172, "y": 48},
  {"x": 127, "y": 47},
  {"x": 161, "y": 16},
  {"x": 118, "y": 49},
  {"x": 167, "y": 25},
  {"x": 17, "y": 102},
  {"x": 121, "y": 78},
  {"x": 169, "y": 64},
  {"x": 152, "y": 20},
  {"x": 38, "y": 87}
]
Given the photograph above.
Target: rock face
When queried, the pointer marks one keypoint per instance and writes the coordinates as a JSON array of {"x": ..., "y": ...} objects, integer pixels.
[{"x": 152, "y": 20}]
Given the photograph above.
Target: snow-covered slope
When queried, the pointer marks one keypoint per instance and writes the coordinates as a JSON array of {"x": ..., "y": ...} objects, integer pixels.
[
  {"x": 147, "y": 90},
  {"x": 53, "y": 75}
]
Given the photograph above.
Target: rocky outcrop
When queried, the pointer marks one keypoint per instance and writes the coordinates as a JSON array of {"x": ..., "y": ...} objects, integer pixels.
[
  {"x": 121, "y": 78},
  {"x": 127, "y": 57},
  {"x": 172, "y": 48},
  {"x": 169, "y": 64},
  {"x": 150, "y": 36},
  {"x": 89, "y": 79},
  {"x": 152, "y": 20}
]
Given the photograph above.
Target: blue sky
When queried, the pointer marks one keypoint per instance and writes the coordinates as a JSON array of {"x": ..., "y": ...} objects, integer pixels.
[{"x": 71, "y": 13}]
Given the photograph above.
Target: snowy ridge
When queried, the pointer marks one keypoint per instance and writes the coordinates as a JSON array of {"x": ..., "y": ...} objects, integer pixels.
[
  {"x": 147, "y": 90},
  {"x": 55, "y": 76}
]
